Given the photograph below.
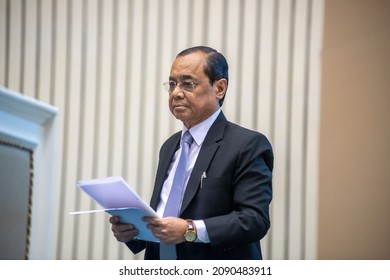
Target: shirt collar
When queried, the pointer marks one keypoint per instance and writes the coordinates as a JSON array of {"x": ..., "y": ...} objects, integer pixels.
[{"x": 200, "y": 130}]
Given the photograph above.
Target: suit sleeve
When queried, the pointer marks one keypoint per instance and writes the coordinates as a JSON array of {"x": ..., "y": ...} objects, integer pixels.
[
  {"x": 251, "y": 190},
  {"x": 136, "y": 246}
]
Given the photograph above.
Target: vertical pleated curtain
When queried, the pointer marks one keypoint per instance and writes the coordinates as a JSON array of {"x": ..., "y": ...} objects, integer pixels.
[{"x": 102, "y": 63}]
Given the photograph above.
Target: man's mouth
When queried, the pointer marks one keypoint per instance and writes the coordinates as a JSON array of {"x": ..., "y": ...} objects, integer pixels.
[{"x": 179, "y": 106}]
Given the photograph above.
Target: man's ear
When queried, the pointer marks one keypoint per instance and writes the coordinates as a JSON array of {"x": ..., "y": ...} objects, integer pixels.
[{"x": 221, "y": 87}]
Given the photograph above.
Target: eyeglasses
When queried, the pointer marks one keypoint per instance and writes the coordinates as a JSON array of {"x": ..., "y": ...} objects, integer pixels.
[{"x": 185, "y": 86}]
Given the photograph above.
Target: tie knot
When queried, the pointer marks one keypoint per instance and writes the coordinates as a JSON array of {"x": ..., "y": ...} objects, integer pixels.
[{"x": 187, "y": 137}]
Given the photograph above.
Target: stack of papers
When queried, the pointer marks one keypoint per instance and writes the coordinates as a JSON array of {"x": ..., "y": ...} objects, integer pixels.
[{"x": 117, "y": 198}]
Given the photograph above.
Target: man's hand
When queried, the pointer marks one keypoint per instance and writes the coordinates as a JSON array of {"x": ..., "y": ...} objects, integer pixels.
[
  {"x": 169, "y": 230},
  {"x": 122, "y": 232}
]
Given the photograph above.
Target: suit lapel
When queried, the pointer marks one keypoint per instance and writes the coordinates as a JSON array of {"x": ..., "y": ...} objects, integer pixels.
[
  {"x": 165, "y": 160},
  {"x": 206, "y": 154}
]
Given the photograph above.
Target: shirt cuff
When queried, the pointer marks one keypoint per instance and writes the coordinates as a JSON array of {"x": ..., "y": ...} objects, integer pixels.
[{"x": 201, "y": 231}]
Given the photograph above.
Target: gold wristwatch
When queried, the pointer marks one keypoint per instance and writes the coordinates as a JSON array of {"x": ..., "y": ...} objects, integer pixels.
[{"x": 190, "y": 234}]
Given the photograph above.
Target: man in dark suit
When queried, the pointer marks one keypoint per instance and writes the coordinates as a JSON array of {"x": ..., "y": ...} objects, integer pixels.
[{"x": 224, "y": 207}]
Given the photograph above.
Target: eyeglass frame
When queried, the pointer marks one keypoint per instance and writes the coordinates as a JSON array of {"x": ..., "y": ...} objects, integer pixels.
[{"x": 167, "y": 86}]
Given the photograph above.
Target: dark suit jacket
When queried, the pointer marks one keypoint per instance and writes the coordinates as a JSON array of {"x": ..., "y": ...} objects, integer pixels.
[{"x": 235, "y": 197}]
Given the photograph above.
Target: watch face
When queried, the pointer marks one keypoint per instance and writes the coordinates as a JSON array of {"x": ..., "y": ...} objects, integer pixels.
[{"x": 190, "y": 236}]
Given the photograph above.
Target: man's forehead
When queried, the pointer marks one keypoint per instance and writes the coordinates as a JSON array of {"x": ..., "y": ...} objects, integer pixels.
[{"x": 188, "y": 64}]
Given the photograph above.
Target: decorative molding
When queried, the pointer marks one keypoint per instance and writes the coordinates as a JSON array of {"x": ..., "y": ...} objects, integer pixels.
[{"x": 31, "y": 125}]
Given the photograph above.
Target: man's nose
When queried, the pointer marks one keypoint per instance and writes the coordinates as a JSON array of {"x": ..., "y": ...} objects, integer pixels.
[{"x": 177, "y": 93}]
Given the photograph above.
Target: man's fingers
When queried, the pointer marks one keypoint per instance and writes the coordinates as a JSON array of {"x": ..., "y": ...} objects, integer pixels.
[
  {"x": 114, "y": 219},
  {"x": 151, "y": 220},
  {"x": 122, "y": 232},
  {"x": 122, "y": 227},
  {"x": 126, "y": 236}
]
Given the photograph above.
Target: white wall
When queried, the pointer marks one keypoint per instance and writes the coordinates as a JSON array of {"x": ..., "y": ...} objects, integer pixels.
[{"x": 102, "y": 63}]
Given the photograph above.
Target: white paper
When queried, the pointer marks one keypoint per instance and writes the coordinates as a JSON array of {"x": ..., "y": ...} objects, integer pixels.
[{"x": 117, "y": 198}]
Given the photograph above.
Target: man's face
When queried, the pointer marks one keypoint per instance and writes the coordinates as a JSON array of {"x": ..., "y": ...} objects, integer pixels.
[{"x": 199, "y": 104}]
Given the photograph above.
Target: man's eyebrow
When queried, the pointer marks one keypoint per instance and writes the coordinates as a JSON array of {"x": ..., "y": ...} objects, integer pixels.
[
  {"x": 182, "y": 77},
  {"x": 186, "y": 77}
]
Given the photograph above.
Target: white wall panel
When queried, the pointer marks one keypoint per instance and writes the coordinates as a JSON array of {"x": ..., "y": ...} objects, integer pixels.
[
  {"x": 59, "y": 95},
  {"x": 198, "y": 23},
  {"x": 3, "y": 40},
  {"x": 72, "y": 122},
  {"x": 246, "y": 102},
  {"x": 281, "y": 98},
  {"x": 297, "y": 133},
  {"x": 89, "y": 30},
  {"x": 264, "y": 121},
  {"x": 233, "y": 55},
  {"x": 213, "y": 20},
  {"x": 313, "y": 84},
  {"x": 29, "y": 53},
  {"x": 13, "y": 57},
  {"x": 102, "y": 63},
  {"x": 44, "y": 49}
]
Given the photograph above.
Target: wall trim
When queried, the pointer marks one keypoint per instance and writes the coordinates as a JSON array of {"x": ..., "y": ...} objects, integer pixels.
[{"x": 32, "y": 124}]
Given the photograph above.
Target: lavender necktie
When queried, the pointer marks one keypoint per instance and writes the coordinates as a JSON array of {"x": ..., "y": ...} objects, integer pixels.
[{"x": 172, "y": 207}]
